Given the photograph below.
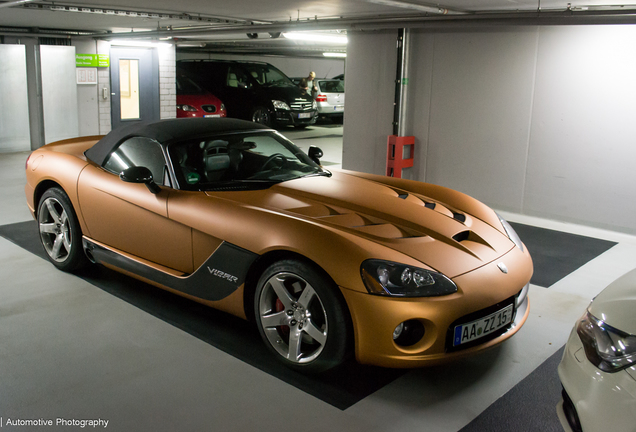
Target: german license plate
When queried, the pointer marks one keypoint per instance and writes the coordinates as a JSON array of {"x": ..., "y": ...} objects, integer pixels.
[
  {"x": 482, "y": 327},
  {"x": 212, "y": 115},
  {"x": 304, "y": 115},
  {"x": 338, "y": 108}
]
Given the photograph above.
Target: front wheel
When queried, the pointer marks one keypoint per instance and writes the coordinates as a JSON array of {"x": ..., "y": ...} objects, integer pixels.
[
  {"x": 262, "y": 115},
  {"x": 302, "y": 317},
  {"x": 60, "y": 233}
]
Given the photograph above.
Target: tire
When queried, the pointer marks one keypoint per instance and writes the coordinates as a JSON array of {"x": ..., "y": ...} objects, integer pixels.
[
  {"x": 302, "y": 317},
  {"x": 60, "y": 233},
  {"x": 261, "y": 115}
]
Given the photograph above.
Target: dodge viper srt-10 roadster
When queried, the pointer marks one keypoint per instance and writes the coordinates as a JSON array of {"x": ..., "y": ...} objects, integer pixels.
[{"x": 233, "y": 215}]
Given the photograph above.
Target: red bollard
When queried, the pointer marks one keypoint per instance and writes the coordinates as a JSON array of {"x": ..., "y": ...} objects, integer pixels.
[{"x": 394, "y": 155}]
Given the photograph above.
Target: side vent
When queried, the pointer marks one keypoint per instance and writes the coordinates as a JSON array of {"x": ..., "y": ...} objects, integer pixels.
[
  {"x": 403, "y": 195},
  {"x": 429, "y": 205}
]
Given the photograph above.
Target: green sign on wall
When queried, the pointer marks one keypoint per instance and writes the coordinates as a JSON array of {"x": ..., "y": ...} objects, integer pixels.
[{"x": 92, "y": 60}]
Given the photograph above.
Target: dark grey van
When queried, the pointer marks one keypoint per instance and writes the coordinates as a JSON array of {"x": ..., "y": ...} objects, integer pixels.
[{"x": 254, "y": 91}]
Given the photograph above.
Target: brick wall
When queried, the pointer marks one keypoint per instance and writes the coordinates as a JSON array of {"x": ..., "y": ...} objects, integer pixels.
[{"x": 167, "y": 85}]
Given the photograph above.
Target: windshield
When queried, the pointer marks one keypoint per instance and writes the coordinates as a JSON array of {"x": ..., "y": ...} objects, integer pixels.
[
  {"x": 331, "y": 86},
  {"x": 185, "y": 86},
  {"x": 240, "y": 159},
  {"x": 268, "y": 75}
]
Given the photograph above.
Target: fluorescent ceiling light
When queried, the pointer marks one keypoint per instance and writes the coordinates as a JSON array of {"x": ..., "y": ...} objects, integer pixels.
[
  {"x": 334, "y": 54},
  {"x": 316, "y": 37}
]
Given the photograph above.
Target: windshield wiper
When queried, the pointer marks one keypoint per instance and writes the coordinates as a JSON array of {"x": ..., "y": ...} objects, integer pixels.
[
  {"x": 246, "y": 184},
  {"x": 323, "y": 173}
]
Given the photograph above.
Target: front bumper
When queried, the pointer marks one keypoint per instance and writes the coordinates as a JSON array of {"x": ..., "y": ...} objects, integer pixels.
[
  {"x": 286, "y": 117},
  {"x": 376, "y": 317},
  {"x": 600, "y": 400}
]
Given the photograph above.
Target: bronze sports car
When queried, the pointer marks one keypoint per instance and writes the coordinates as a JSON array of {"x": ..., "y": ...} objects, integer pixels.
[{"x": 233, "y": 215}]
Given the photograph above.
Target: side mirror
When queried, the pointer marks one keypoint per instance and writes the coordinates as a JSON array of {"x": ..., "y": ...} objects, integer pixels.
[
  {"x": 315, "y": 154},
  {"x": 138, "y": 174}
]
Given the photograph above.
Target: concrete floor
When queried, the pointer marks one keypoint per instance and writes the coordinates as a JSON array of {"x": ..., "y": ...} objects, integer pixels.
[{"x": 70, "y": 350}]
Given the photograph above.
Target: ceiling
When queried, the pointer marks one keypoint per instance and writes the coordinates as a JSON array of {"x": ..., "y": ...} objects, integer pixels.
[{"x": 223, "y": 25}]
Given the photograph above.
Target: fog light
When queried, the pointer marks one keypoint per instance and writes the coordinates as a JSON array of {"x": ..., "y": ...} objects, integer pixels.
[
  {"x": 398, "y": 331},
  {"x": 408, "y": 333}
]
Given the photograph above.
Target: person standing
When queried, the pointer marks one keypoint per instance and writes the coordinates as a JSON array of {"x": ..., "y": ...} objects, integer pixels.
[{"x": 311, "y": 84}]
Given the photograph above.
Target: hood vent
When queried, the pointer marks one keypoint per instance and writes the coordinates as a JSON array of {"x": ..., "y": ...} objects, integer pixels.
[
  {"x": 471, "y": 240},
  {"x": 363, "y": 223},
  {"x": 459, "y": 217},
  {"x": 461, "y": 236}
]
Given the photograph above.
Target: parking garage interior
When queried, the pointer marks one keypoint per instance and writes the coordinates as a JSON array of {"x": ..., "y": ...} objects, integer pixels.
[{"x": 526, "y": 106}]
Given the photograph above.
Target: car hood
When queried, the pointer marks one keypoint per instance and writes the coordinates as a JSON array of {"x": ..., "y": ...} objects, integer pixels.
[
  {"x": 288, "y": 94},
  {"x": 616, "y": 304},
  {"x": 200, "y": 99},
  {"x": 446, "y": 239}
]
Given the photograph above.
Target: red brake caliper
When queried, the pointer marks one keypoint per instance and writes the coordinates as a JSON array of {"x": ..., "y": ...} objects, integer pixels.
[{"x": 284, "y": 330}]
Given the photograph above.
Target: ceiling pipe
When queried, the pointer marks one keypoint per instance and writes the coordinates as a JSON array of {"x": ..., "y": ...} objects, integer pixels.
[
  {"x": 569, "y": 17},
  {"x": 416, "y": 6},
  {"x": 14, "y": 3},
  {"x": 37, "y": 32}
]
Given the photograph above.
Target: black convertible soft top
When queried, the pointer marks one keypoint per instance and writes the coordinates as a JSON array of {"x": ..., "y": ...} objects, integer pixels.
[{"x": 166, "y": 131}]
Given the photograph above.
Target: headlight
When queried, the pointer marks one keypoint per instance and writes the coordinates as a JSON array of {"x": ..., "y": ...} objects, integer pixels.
[
  {"x": 222, "y": 107},
  {"x": 186, "y": 108},
  {"x": 393, "y": 279},
  {"x": 512, "y": 234},
  {"x": 280, "y": 105},
  {"x": 607, "y": 348}
]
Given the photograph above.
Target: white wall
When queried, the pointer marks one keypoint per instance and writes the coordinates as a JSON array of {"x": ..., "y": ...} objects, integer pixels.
[
  {"x": 292, "y": 67},
  {"x": 14, "y": 107},
  {"x": 534, "y": 120},
  {"x": 582, "y": 144},
  {"x": 369, "y": 112},
  {"x": 59, "y": 92},
  {"x": 87, "y": 94}
]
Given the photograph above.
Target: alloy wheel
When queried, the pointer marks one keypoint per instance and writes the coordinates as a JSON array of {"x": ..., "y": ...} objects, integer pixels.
[
  {"x": 55, "y": 230},
  {"x": 293, "y": 317}
]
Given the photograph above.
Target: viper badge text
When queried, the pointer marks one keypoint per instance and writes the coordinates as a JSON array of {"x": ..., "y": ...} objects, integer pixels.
[{"x": 223, "y": 275}]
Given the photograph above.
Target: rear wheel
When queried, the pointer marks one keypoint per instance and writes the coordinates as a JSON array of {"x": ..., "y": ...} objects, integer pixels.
[
  {"x": 60, "y": 232},
  {"x": 302, "y": 317}
]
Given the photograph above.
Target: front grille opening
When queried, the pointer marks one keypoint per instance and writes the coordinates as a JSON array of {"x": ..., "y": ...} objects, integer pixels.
[
  {"x": 300, "y": 106},
  {"x": 403, "y": 195},
  {"x": 209, "y": 108}
]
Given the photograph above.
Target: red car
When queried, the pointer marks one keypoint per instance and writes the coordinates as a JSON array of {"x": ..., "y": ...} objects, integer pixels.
[{"x": 193, "y": 101}]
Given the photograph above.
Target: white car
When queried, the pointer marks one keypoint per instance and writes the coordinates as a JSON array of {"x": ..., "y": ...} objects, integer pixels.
[
  {"x": 330, "y": 98},
  {"x": 598, "y": 369}
]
